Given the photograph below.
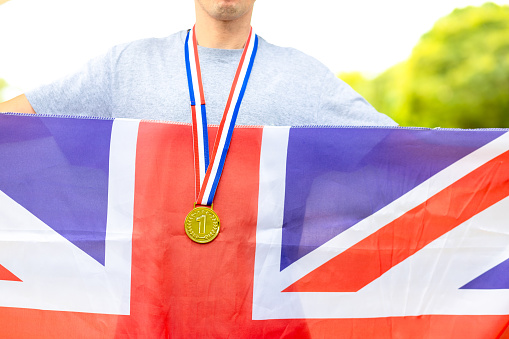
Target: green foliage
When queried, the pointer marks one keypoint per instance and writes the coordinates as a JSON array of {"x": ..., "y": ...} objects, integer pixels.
[
  {"x": 456, "y": 76},
  {"x": 3, "y": 85}
]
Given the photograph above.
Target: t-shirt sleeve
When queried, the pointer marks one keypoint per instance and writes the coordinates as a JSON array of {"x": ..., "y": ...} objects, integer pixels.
[
  {"x": 339, "y": 102},
  {"x": 84, "y": 93}
]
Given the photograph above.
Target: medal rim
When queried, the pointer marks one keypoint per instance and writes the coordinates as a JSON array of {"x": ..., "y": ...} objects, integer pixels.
[{"x": 205, "y": 241}]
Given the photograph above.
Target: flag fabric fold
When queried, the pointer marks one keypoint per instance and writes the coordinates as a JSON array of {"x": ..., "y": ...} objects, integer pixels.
[{"x": 326, "y": 232}]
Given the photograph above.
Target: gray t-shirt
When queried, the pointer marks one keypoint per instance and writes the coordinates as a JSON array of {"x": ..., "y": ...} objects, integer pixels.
[{"x": 146, "y": 79}]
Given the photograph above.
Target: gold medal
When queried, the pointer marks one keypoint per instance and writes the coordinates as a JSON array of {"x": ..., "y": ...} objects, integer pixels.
[{"x": 202, "y": 225}]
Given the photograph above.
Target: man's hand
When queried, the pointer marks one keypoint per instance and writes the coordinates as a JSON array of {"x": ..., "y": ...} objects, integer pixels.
[{"x": 18, "y": 104}]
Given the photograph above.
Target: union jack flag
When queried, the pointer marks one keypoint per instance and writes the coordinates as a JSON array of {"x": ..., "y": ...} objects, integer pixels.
[{"x": 326, "y": 232}]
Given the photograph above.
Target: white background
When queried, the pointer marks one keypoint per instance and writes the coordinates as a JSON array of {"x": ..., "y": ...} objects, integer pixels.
[{"x": 42, "y": 40}]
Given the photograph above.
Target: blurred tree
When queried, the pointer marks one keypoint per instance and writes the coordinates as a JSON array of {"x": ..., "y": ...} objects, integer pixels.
[
  {"x": 3, "y": 85},
  {"x": 359, "y": 82},
  {"x": 456, "y": 76}
]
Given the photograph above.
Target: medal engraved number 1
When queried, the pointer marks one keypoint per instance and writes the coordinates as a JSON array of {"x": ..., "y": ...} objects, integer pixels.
[{"x": 202, "y": 222}]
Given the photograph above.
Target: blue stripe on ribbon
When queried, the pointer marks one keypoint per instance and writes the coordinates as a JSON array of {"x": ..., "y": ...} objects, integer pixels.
[
  {"x": 205, "y": 136},
  {"x": 232, "y": 124},
  {"x": 188, "y": 70}
]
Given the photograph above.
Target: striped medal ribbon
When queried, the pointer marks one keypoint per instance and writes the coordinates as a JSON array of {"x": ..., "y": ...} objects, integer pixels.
[{"x": 202, "y": 223}]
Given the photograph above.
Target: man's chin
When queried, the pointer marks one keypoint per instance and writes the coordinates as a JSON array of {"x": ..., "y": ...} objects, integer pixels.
[{"x": 228, "y": 12}]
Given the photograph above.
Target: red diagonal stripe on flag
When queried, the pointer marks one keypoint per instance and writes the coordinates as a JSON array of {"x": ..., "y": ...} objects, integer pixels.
[
  {"x": 373, "y": 256},
  {"x": 5, "y": 274}
]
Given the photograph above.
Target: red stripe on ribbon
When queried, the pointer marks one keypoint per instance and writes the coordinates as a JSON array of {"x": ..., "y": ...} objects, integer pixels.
[
  {"x": 198, "y": 69},
  {"x": 230, "y": 97}
]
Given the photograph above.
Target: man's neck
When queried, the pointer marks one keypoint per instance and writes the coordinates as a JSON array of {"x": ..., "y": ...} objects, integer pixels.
[{"x": 214, "y": 33}]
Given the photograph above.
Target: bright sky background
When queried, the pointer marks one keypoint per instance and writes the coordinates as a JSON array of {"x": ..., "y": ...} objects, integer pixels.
[{"x": 42, "y": 40}]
